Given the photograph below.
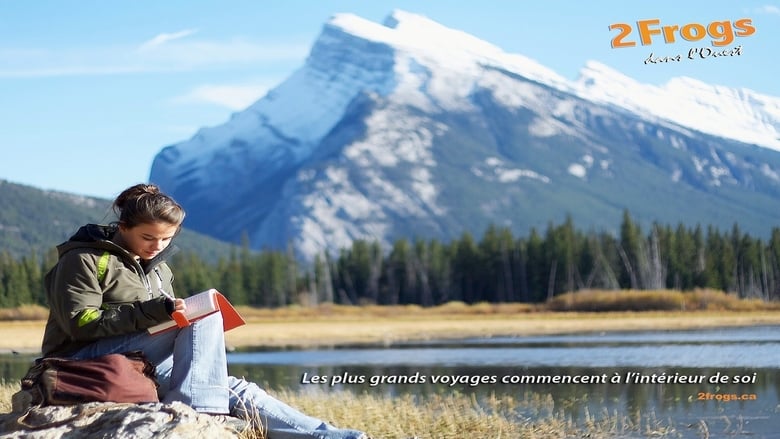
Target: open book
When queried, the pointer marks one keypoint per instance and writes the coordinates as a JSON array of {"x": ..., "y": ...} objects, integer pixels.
[{"x": 201, "y": 305}]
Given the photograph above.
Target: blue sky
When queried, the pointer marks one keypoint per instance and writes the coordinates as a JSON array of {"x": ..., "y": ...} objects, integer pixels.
[{"x": 91, "y": 90}]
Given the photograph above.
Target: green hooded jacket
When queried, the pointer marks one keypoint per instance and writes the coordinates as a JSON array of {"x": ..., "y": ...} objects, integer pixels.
[{"x": 98, "y": 289}]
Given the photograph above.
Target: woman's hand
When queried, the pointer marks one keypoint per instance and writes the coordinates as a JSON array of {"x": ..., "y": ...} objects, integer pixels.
[
  {"x": 172, "y": 305},
  {"x": 178, "y": 313}
]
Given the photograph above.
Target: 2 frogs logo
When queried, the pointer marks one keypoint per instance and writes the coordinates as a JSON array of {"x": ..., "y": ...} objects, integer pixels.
[{"x": 718, "y": 33}]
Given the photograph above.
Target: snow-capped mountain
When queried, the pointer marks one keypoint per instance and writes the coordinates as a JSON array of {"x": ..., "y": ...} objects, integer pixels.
[{"x": 411, "y": 129}]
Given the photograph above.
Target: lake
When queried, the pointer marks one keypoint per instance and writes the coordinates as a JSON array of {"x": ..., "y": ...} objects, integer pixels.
[{"x": 724, "y": 380}]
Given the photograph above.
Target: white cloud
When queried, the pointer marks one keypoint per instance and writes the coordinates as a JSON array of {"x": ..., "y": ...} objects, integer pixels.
[
  {"x": 191, "y": 54},
  {"x": 233, "y": 97},
  {"x": 164, "y": 38},
  {"x": 769, "y": 9},
  {"x": 163, "y": 53}
]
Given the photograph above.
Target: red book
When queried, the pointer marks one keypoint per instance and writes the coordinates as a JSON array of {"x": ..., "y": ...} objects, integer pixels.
[{"x": 199, "y": 306}]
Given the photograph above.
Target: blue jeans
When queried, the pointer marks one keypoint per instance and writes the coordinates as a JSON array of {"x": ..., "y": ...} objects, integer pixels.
[{"x": 192, "y": 368}]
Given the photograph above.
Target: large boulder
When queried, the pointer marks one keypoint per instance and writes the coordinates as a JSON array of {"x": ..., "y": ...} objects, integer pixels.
[{"x": 110, "y": 420}]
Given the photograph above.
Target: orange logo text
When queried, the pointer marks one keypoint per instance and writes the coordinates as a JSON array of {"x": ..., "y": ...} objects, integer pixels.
[{"x": 720, "y": 33}]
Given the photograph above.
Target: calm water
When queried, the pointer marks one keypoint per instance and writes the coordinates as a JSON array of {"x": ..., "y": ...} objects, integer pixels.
[{"x": 704, "y": 371}]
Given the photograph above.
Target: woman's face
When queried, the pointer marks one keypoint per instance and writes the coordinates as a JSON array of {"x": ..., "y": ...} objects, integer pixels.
[{"x": 148, "y": 240}]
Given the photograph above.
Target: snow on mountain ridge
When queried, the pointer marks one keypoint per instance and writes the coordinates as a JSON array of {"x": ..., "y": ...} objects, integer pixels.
[
  {"x": 739, "y": 114},
  {"x": 450, "y": 48},
  {"x": 409, "y": 31},
  {"x": 742, "y": 115}
]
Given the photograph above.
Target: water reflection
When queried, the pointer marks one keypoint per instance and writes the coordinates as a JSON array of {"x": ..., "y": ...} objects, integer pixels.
[
  {"x": 14, "y": 367},
  {"x": 740, "y": 347}
]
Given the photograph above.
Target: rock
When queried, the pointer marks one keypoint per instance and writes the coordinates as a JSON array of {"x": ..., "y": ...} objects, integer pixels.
[{"x": 109, "y": 420}]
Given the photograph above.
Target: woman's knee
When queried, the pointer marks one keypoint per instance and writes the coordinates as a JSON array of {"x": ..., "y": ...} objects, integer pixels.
[
  {"x": 211, "y": 323},
  {"x": 214, "y": 318}
]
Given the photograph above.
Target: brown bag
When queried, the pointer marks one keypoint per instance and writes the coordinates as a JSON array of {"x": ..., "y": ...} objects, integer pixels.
[{"x": 126, "y": 377}]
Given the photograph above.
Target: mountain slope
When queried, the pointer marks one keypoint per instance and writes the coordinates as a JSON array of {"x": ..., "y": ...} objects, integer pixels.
[
  {"x": 36, "y": 220},
  {"x": 412, "y": 129}
]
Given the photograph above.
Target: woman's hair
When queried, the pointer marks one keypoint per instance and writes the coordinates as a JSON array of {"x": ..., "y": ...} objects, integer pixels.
[{"x": 145, "y": 204}]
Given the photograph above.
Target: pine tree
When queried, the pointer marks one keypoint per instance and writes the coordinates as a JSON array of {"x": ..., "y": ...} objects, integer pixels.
[
  {"x": 629, "y": 249},
  {"x": 17, "y": 285},
  {"x": 465, "y": 266},
  {"x": 396, "y": 273},
  {"x": 191, "y": 274},
  {"x": 537, "y": 266},
  {"x": 231, "y": 282},
  {"x": 440, "y": 271},
  {"x": 5, "y": 270}
]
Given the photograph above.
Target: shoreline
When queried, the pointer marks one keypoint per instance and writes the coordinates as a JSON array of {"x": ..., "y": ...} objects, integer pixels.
[
  {"x": 387, "y": 331},
  {"x": 307, "y": 332}
]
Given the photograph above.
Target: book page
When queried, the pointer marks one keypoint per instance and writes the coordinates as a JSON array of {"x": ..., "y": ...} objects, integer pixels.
[{"x": 200, "y": 304}]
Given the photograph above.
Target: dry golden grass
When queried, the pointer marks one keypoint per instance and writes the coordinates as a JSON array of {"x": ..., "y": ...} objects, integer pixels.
[
  {"x": 629, "y": 310},
  {"x": 25, "y": 312},
  {"x": 655, "y": 300},
  {"x": 586, "y": 311},
  {"x": 387, "y": 330},
  {"x": 21, "y": 335},
  {"x": 329, "y": 310},
  {"x": 449, "y": 416},
  {"x": 6, "y": 390}
]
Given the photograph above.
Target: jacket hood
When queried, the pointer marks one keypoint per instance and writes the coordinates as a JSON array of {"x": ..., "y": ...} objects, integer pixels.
[
  {"x": 101, "y": 237},
  {"x": 94, "y": 232},
  {"x": 91, "y": 236}
]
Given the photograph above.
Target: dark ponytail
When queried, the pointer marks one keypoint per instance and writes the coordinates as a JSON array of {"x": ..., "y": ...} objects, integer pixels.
[{"x": 145, "y": 204}]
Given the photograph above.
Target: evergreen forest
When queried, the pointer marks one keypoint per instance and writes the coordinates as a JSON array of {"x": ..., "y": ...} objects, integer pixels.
[{"x": 496, "y": 267}]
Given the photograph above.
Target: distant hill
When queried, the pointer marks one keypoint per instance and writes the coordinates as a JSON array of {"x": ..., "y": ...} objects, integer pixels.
[{"x": 33, "y": 219}]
